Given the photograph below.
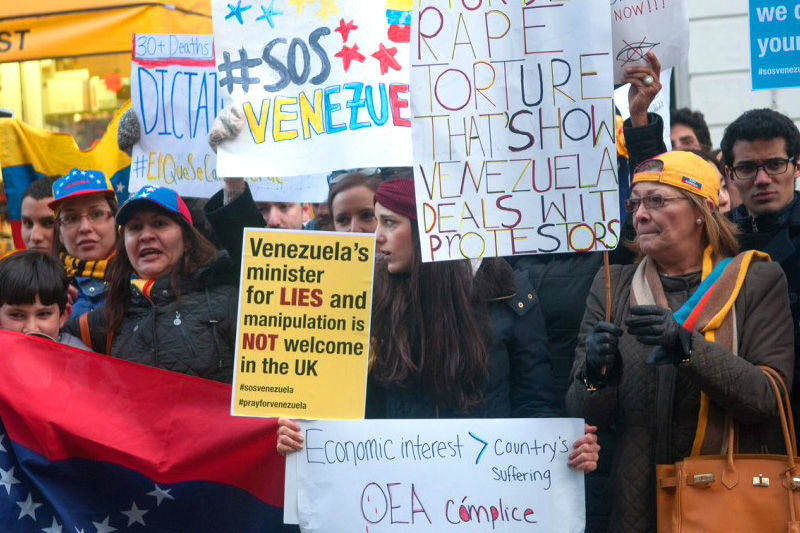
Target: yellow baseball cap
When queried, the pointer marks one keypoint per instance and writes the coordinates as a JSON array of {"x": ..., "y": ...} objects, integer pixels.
[{"x": 686, "y": 171}]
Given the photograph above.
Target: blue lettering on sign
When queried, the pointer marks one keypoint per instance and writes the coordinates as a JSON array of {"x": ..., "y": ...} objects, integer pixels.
[
  {"x": 177, "y": 103},
  {"x": 775, "y": 43}
]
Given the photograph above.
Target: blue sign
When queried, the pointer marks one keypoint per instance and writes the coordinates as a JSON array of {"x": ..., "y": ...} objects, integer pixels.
[{"x": 775, "y": 43}]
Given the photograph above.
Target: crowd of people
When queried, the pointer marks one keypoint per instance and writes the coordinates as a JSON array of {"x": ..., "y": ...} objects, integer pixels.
[{"x": 644, "y": 351}]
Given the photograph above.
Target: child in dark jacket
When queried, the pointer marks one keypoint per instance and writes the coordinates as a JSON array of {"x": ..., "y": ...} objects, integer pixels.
[{"x": 34, "y": 298}]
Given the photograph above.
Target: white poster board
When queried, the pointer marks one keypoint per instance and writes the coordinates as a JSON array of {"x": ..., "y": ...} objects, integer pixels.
[
  {"x": 514, "y": 130},
  {"x": 175, "y": 98},
  {"x": 322, "y": 85},
  {"x": 641, "y": 26},
  {"x": 436, "y": 475}
]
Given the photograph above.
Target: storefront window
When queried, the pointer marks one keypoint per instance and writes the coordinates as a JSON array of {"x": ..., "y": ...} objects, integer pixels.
[{"x": 76, "y": 95}]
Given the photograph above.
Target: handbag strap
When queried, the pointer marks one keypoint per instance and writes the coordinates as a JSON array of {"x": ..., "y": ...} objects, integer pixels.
[
  {"x": 784, "y": 410},
  {"x": 665, "y": 401}
]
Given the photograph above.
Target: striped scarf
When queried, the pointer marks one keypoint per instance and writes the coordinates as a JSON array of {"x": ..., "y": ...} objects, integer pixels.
[
  {"x": 145, "y": 286},
  {"x": 81, "y": 268},
  {"x": 711, "y": 312}
]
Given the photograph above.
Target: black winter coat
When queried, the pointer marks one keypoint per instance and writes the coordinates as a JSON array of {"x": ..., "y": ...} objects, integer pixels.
[
  {"x": 520, "y": 382},
  {"x": 228, "y": 221},
  {"x": 192, "y": 333},
  {"x": 778, "y": 234},
  {"x": 562, "y": 282}
]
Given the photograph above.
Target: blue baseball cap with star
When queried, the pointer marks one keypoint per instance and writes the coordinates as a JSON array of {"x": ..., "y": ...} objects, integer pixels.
[
  {"x": 162, "y": 197},
  {"x": 79, "y": 183}
]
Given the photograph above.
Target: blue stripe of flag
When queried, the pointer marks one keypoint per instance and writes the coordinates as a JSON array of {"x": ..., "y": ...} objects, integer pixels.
[{"x": 394, "y": 16}]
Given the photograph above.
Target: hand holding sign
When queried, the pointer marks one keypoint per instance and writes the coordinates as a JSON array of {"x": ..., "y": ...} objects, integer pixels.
[{"x": 645, "y": 85}]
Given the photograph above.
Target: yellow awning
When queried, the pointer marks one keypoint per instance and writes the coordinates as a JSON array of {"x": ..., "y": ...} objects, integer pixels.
[{"x": 40, "y": 29}]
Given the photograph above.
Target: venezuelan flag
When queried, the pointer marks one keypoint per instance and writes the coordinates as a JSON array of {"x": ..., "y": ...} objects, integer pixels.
[
  {"x": 27, "y": 154},
  {"x": 398, "y": 15}
]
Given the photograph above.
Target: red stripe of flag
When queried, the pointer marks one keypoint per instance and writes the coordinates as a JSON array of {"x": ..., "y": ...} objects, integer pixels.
[
  {"x": 62, "y": 403},
  {"x": 400, "y": 33},
  {"x": 16, "y": 234}
]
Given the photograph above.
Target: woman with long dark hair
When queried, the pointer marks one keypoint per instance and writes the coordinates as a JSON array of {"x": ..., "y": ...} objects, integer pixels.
[
  {"x": 171, "y": 299},
  {"x": 447, "y": 342}
]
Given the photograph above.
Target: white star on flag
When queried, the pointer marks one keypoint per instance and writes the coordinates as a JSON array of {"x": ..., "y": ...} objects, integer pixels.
[
  {"x": 135, "y": 515},
  {"x": 7, "y": 479},
  {"x": 159, "y": 494},
  {"x": 2, "y": 448},
  {"x": 28, "y": 508},
  {"x": 103, "y": 527},
  {"x": 55, "y": 527},
  {"x": 120, "y": 188},
  {"x": 78, "y": 530}
]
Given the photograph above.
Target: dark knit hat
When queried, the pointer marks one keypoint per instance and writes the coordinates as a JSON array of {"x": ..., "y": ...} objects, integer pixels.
[{"x": 398, "y": 196}]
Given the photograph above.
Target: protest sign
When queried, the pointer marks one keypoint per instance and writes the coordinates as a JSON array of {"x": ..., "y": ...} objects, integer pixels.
[
  {"x": 311, "y": 188},
  {"x": 641, "y": 26},
  {"x": 176, "y": 99},
  {"x": 323, "y": 84},
  {"x": 774, "y": 43},
  {"x": 436, "y": 475},
  {"x": 514, "y": 135},
  {"x": 302, "y": 340}
]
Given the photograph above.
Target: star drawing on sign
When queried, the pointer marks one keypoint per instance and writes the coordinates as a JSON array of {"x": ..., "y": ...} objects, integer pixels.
[
  {"x": 236, "y": 11},
  {"x": 345, "y": 28},
  {"x": 7, "y": 479},
  {"x": 300, "y": 4},
  {"x": 327, "y": 9},
  {"x": 269, "y": 13},
  {"x": 55, "y": 527},
  {"x": 28, "y": 508},
  {"x": 135, "y": 515},
  {"x": 386, "y": 58},
  {"x": 160, "y": 494},
  {"x": 348, "y": 55},
  {"x": 103, "y": 527}
]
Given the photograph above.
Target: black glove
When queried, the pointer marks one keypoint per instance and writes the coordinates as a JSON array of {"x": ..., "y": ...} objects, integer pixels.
[
  {"x": 602, "y": 353},
  {"x": 655, "y": 326}
]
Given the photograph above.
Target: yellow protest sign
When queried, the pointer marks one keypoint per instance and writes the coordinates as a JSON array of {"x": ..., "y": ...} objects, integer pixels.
[{"x": 302, "y": 341}]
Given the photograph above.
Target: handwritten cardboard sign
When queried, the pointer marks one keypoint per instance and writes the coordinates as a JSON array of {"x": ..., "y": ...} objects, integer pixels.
[
  {"x": 176, "y": 99},
  {"x": 641, "y": 26},
  {"x": 303, "y": 324},
  {"x": 323, "y": 84},
  {"x": 514, "y": 135},
  {"x": 436, "y": 475}
]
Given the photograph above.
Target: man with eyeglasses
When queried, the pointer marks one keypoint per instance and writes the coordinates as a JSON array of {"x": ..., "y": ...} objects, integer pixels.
[{"x": 760, "y": 151}]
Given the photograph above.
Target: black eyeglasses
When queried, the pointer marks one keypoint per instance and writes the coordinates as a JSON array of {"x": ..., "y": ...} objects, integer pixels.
[
  {"x": 651, "y": 202},
  {"x": 748, "y": 170}
]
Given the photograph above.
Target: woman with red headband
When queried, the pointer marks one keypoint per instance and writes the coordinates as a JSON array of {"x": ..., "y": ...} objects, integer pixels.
[{"x": 447, "y": 342}]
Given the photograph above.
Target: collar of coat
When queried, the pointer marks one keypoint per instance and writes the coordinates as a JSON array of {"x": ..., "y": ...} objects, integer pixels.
[{"x": 770, "y": 222}]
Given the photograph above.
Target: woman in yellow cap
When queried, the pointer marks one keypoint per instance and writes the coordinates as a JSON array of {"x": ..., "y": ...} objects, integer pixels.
[{"x": 690, "y": 323}]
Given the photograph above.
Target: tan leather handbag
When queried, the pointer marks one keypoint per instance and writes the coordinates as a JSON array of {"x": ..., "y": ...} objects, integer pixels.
[{"x": 734, "y": 492}]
